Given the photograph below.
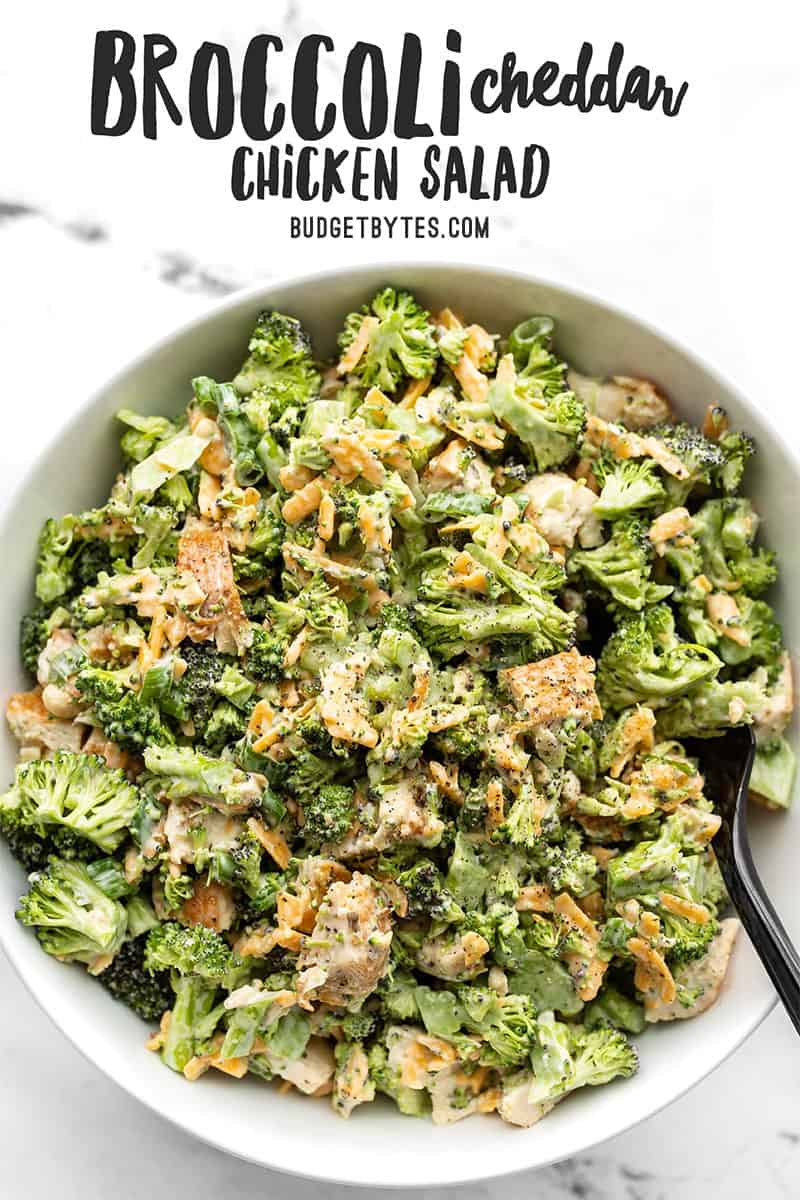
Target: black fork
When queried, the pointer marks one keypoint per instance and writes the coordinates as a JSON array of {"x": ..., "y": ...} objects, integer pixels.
[{"x": 726, "y": 763}]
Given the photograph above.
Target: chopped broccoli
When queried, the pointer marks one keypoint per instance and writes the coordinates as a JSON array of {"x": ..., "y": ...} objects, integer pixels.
[
  {"x": 612, "y": 1007},
  {"x": 358, "y": 1026},
  {"x": 550, "y": 428},
  {"x": 328, "y": 814},
  {"x": 77, "y": 792},
  {"x": 401, "y": 340},
  {"x": 74, "y": 919},
  {"x": 712, "y": 707},
  {"x": 186, "y": 773},
  {"x": 644, "y": 662},
  {"x": 121, "y": 713},
  {"x": 702, "y": 458},
  {"x": 147, "y": 992},
  {"x": 566, "y": 1057},
  {"x": 34, "y": 630},
  {"x": 621, "y": 566},
  {"x": 193, "y": 1018},
  {"x": 279, "y": 374},
  {"x": 54, "y": 577},
  {"x": 427, "y": 894},
  {"x": 626, "y": 485},
  {"x": 265, "y": 655},
  {"x": 192, "y": 950},
  {"x": 523, "y": 825},
  {"x": 453, "y": 623}
]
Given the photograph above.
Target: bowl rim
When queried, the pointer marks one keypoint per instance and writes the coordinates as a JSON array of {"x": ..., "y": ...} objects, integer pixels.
[{"x": 261, "y": 291}]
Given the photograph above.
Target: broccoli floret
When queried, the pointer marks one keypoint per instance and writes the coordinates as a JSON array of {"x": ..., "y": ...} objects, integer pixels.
[
  {"x": 758, "y": 636},
  {"x": 358, "y": 1026},
  {"x": 74, "y": 919},
  {"x": 451, "y": 344},
  {"x": 712, "y": 707},
  {"x": 612, "y": 1007},
  {"x": 412, "y": 1102},
  {"x": 464, "y": 742},
  {"x": 227, "y": 724},
  {"x": 549, "y": 428},
  {"x": 621, "y": 566},
  {"x": 239, "y": 864},
  {"x": 686, "y": 940},
  {"x": 193, "y": 696},
  {"x": 644, "y": 662},
  {"x": 54, "y": 576},
  {"x": 454, "y": 623},
  {"x": 263, "y": 549},
  {"x": 124, "y": 716},
  {"x": 507, "y": 1023},
  {"x": 34, "y": 630},
  {"x": 148, "y": 993},
  {"x": 530, "y": 344},
  {"x": 401, "y": 340},
  {"x": 725, "y": 530},
  {"x": 567, "y": 1057},
  {"x": 427, "y": 894},
  {"x": 279, "y": 373},
  {"x": 548, "y": 419},
  {"x": 772, "y": 777},
  {"x": 523, "y": 825},
  {"x": 263, "y": 899},
  {"x": 31, "y": 846},
  {"x": 75, "y": 791},
  {"x": 265, "y": 655},
  {"x": 185, "y": 772},
  {"x": 702, "y": 458},
  {"x": 190, "y": 950},
  {"x": 737, "y": 448},
  {"x": 626, "y": 485},
  {"x": 566, "y": 867},
  {"x": 177, "y": 890},
  {"x": 328, "y": 814}
]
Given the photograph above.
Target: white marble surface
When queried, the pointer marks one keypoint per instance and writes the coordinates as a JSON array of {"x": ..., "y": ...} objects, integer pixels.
[{"x": 691, "y": 223}]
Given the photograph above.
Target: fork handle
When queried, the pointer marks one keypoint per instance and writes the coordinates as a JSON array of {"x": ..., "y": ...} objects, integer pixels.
[{"x": 770, "y": 940}]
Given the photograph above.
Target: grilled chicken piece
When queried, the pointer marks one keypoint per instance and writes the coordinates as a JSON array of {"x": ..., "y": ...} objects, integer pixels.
[
  {"x": 453, "y": 956},
  {"x": 515, "y": 1107},
  {"x": 562, "y": 510},
  {"x": 203, "y": 552},
  {"x": 211, "y": 904},
  {"x": 635, "y": 403},
  {"x": 555, "y": 688},
  {"x": 312, "y": 1072},
  {"x": 352, "y": 1085},
  {"x": 348, "y": 950},
  {"x": 456, "y": 1094},
  {"x": 707, "y": 973},
  {"x": 403, "y": 816},
  {"x": 38, "y": 732}
]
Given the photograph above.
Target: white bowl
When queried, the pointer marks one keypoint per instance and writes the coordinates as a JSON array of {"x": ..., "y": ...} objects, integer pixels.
[{"x": 377, "y": 1146}]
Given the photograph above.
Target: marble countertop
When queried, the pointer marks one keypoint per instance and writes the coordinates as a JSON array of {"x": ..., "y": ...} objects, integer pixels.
[{"x": 697, "y": 238}]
